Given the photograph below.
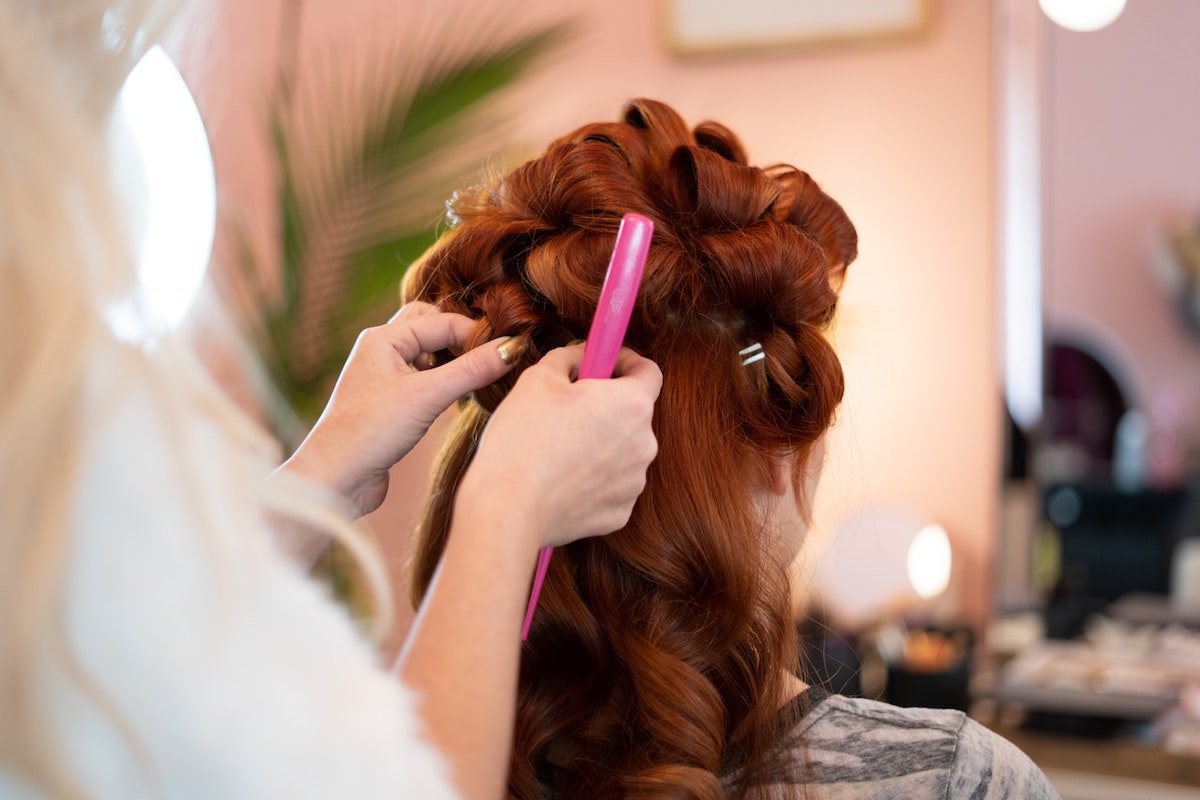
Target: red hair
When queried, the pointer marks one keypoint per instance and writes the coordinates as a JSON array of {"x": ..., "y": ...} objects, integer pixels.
[{"x": 655, "y": 664}]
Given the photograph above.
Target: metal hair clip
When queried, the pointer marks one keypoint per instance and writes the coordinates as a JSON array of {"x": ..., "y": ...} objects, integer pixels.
[{"x": 752, "y": 353}]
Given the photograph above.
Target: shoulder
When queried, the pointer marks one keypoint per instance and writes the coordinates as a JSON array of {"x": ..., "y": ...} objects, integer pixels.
[
  {"x": 851, "y": 739},
  {"x": 921, "y": 752},
  {"x": 989, "y": 766}
]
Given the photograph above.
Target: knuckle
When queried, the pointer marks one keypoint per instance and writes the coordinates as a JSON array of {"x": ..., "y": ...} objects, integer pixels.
[
  {"x": 366, "y": 337},
  {"x": 476, "y": 370}
]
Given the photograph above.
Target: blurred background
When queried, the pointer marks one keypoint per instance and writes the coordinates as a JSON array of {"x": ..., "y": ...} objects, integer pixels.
[{"x": 1008, "y": 516}]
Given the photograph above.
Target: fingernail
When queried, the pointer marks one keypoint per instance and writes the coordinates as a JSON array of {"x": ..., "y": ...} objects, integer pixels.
[{"x": 513, "y": 349}]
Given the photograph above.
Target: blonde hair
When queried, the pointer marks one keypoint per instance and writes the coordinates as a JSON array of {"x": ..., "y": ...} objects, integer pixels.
[{"x": 64, "y": 258}]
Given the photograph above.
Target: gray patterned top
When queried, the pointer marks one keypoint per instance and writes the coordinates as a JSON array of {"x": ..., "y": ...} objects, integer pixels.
[{"x": 854, "y": 749}]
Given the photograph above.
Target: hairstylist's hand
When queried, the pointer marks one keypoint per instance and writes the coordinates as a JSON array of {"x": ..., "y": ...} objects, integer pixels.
[
  {"x": 387, "y": 397},
  {"x": 570, "y": 456}
]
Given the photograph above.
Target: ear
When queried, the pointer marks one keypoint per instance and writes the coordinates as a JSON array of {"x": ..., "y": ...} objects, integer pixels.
[{"x": 779, "y": 474}]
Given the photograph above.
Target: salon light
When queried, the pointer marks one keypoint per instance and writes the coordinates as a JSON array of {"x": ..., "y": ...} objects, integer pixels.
[
  {"x": 180, "y": 206},
  {"x": 929, "y": 562},
  {"x": 880, "y": 561},
  {"x": 1082, "y": 15}
]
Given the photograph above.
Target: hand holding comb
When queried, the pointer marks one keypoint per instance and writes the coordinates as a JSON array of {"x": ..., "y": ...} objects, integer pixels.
[{"x": 605, "y": 338}]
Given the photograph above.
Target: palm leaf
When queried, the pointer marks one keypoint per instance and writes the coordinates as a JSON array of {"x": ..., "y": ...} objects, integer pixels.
[{"x": 366, "y": 159}]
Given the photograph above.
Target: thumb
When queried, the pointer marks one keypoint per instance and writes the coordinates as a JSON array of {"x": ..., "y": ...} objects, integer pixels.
[
  {"x": 472, "y": 370},
  {"x": 563, "y": 360}
]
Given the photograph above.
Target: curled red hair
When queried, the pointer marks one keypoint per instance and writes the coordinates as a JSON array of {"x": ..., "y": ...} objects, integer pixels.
[{"x": 655, "y": 664}]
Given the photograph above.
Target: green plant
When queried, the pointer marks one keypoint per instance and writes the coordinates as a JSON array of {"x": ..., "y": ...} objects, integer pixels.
[{"x": 366, "y": 159}]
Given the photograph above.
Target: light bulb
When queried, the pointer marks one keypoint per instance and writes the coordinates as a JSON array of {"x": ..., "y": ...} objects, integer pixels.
[
  {"x": 929, "y": 562},
  {"x": 1082, "y": 15},
  {"x": 180, "y": 204}
]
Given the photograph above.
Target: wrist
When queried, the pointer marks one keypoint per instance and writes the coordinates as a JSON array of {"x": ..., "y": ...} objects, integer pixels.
[
  {"x": 306, "y": 464},
  {"x": 495, "y": 511},
  {"x": 312, "y": 464}
]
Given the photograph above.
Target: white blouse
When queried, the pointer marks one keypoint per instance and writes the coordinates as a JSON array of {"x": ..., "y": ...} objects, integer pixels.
[{"x": 219, "y": 669}]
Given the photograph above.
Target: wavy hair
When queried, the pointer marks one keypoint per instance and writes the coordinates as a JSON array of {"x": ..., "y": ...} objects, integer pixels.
[{"x": 656, "y": 662}]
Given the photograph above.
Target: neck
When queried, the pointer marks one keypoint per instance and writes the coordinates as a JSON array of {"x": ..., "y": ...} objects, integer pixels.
[{"x": 792, "y": 688}]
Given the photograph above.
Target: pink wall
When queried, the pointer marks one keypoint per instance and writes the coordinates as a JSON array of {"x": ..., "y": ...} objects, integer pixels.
[
  {"x": 899, "y": 132},
  {"x": 1123, "y": 161}
]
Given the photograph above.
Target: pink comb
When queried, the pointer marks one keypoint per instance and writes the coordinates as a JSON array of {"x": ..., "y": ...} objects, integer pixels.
[{"x": 605, "y": 338}]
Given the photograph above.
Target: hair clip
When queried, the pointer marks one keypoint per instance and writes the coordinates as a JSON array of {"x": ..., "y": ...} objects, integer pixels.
[{"x": 752, "y": 353}]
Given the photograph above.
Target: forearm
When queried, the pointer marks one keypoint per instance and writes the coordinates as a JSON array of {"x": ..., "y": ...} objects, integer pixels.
[
  {"x": 462, "y": 656},
  {"x": 303, "y": 543}
]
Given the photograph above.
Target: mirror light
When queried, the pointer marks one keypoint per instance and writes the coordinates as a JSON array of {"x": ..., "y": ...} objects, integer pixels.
[
  {"x": 1082, "y": 15},
  {"x": 929, "y": 562},
  {"x": 880, "y": 561},
  {"x": 180, "y": 204}
]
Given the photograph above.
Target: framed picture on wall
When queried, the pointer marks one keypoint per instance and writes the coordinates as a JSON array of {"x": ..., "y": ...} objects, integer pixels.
[{"x": 707, "y": 26}]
